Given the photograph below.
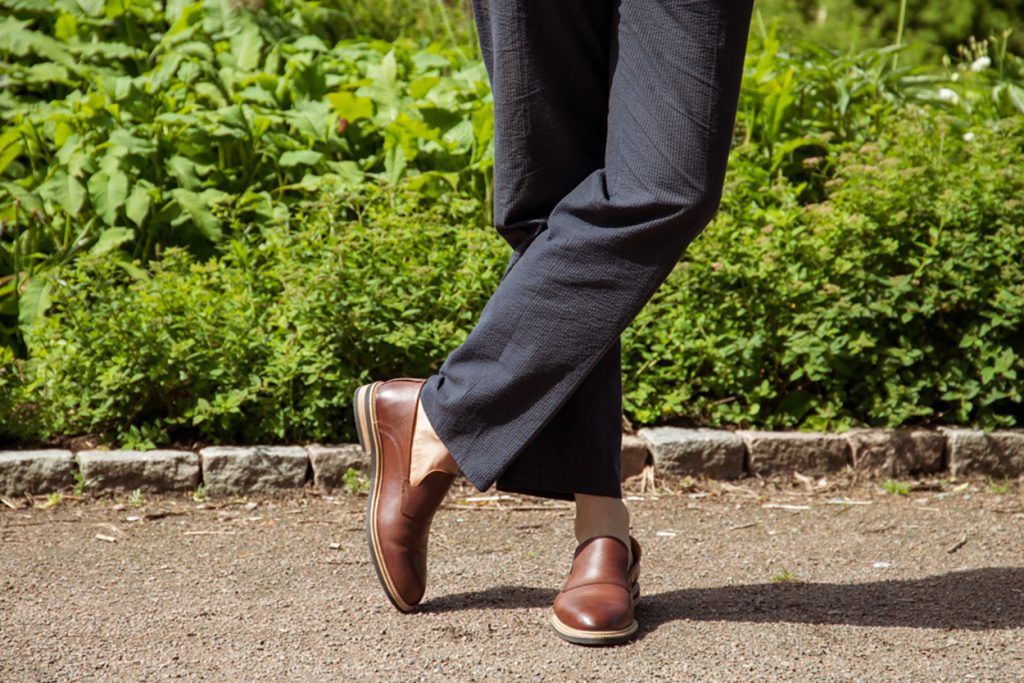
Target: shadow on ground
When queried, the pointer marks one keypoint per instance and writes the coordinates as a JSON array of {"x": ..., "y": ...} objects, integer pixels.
[{"x": 979, "y": 599}]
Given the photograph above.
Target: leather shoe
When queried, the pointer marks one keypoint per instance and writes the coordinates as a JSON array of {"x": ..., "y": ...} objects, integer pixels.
[
  {"x": 398, "y": 515},
  {"x": 595, "y": 606}
]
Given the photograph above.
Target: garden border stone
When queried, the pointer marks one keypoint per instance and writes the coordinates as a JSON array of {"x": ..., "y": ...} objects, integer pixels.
[
  {"x": 634, "y": 456},
  {"x": 695, "y": 452},
  {"x": 997, "y": 454},
  {"x": 253, "y": 469},
  {"x": 39, "y": 471},
  {"x": 805, "y": 452},
  {"x": 153, "y": 471},
  {"x": 330, "y": 463},
  {"x": 896, "y": 452}
]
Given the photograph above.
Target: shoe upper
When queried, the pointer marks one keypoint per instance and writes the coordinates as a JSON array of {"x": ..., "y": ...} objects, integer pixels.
[
  {"x": 598, "y": 595},
  {"x": 403, "y": 512}
]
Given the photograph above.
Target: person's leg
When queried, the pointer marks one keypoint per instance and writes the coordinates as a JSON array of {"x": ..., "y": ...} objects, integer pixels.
[
  {"x": 550, "y": 73},
  {"x": 550, "y": 67},
  {"x": 608, "y": 243}
]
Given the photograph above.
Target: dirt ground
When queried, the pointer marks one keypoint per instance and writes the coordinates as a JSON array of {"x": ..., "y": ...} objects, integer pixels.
[{"x": 778, "y": 580}]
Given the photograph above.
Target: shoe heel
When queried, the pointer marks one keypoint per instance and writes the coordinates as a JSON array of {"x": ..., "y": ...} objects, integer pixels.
[{"x": 361, "y": 414}]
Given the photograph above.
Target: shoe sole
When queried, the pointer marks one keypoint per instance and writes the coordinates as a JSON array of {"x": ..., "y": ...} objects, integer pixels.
[
  {"x": 580, "y": 637},
  {"x": 364, "y": 405}
]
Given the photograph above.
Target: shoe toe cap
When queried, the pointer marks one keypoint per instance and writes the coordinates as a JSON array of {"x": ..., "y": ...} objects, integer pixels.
[{"x": 595, "y": 608}]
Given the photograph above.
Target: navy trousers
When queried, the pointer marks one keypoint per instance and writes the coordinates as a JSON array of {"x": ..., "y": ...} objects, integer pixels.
[{"x": 613, "y": 120}]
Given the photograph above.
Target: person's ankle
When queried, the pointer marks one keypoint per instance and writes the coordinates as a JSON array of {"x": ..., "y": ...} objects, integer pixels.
[{"x": 428, "y": 453}]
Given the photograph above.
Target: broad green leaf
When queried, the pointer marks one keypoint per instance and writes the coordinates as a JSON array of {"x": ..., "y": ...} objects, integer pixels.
[
  {"x": 137, "y": 206},
  {"x": 61, "y": 133},
  {"x": 193, "y": 205},
  {"x": 108, "y": 190},
  {"x": 309, "y": 44},
  {"x": 348, "y": 172},
  {"x": 111, "y": 238},
  {"x": 95, "y": 8},
  {"x": 234, "y": 116},
  {"x": 301, "y": 156},
  {"x": 133, "y": 270},
  {"x": 257, "y": 95},
  {"x": 350, "y": 106},
  {"x": 1016, "y": 94},
  {"x": 184, "y": 171},
  {"x": 66, "y": 27},
  {"x": 15, "y": 36},
  {"x": 426, "y": 61},
  {"x": 246, "y": 46},
  {"x": 47, "y": 72},
  {"x": 394, "y": 163},
  {"x": 17, "y": 39},
  {"x": 126, "y": 140},
  {"x": 421, "y": 86},
  {"x": 33, "y": 301},
  {"x": 311, "y": 119},
  {"x": 64, "y": 189},
  {"x": 10, "y": 147}
]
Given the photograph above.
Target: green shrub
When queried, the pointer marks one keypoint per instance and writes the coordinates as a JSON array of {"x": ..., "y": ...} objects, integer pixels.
[
  {"x": 266, "y": 343},
  {"x": 898, "y": 299},
  {"x": 932, "y": 26},
  {"x": 127, "y": 127}
]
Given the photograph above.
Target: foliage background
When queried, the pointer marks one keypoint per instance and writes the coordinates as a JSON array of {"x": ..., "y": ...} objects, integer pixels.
[{"x": 216, "y": 220}]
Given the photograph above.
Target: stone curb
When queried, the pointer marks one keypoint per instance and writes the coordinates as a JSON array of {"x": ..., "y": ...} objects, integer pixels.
[
  {"x": 693, "y": 452},
  {"x": 253, "y": 469},
  {"x": 153, "y": 471},
  {"x": 36, "y": 471},
  {"x": 710, "y": 453}
]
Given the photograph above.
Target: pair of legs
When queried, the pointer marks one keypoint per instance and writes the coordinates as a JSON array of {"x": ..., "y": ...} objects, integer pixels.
[{"x": 613, "y": 120}]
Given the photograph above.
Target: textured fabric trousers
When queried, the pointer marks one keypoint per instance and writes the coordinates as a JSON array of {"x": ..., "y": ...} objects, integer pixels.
[{"x": 613, "y": 120}]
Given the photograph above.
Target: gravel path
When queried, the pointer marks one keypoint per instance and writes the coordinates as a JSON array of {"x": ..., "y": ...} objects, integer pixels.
[{"x": 928, "y": 586}]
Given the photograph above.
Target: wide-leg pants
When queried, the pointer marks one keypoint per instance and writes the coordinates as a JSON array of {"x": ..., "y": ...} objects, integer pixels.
[{"x": 613, "y": 120}]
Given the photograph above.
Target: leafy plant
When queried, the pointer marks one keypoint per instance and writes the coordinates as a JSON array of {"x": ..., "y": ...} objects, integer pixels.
[
  {"x": 896, "y": 488},
  {"x": 894, "y": 300},
  {"x": 82, "y": 483},
  {"x": 356, "y": 481},
  {"x": 785, "y": 576},
  {"x": 136, "y": 498},
  {"x": 195, "y": 122},
  {"x": 52, "y": 501},
  {"x": 200, "y": 495},
  {"x": 265, "y": 343},
  {"x": 999, "y": 488}
]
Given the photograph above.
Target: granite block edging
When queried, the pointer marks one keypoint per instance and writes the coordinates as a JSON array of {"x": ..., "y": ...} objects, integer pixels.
[
  {"x": 253, "y": 469},
  {"x": 152, "y": 471},
  {"x": 710, "y": 452},
  {"x": 996, "y": 454},
  {"x": 718, "y": 454},
  {"x": 39, "y": 471}
]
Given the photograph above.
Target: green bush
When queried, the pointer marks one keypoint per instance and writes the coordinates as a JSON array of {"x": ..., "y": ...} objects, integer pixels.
[
  {"x": 933, "y": 27},
  {"x": 128, "y": 127},
  {"x": 898, "y": 299},
  {"x": 265, "y": 343}
]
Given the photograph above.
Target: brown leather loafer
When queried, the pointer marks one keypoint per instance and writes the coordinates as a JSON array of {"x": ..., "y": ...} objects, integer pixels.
[
  {"x": 398, "y": 515},
  {"x": 595, "y": 606}
]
